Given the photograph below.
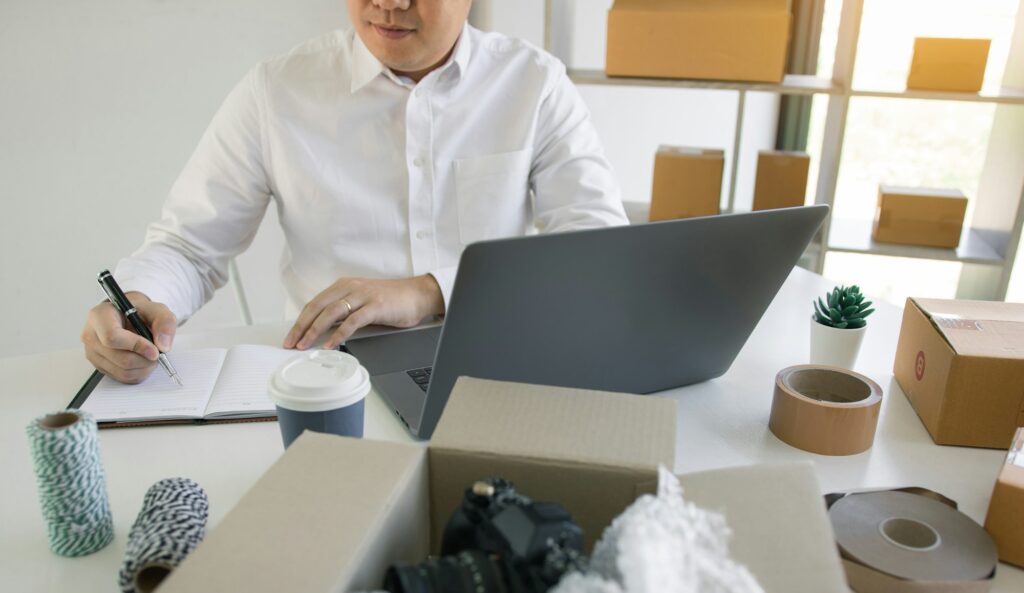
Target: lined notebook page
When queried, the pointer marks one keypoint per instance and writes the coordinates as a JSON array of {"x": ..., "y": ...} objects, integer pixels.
[
  {"x": 158, "y": 397},
  {"x": 241, "y": 389}
]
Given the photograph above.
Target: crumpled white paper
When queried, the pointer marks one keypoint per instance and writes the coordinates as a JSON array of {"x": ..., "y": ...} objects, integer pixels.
[{"x": 663, "y": 543}]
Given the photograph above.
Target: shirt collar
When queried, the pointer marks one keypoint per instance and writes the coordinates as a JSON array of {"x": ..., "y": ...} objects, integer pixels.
[
  {"x": 366, "y": 67},
  {"x": 463, "y": 49}
]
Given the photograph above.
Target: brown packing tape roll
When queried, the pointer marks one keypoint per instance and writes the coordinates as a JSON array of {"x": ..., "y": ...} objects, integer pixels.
[
  {"x": 826, "y": 410},
  {"x": 910, "y": 541},
  {"x": 863, "y": 579}
]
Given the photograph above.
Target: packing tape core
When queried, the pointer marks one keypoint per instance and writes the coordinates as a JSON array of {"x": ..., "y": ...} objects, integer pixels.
[
  {"x": 825, "y": 410},
  {"x": 58, "y": 421},
  {"x": 909, "y": 534}
]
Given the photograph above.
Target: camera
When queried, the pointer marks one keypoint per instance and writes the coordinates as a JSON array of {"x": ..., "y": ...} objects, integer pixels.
[{"x": 497, "y": 540}]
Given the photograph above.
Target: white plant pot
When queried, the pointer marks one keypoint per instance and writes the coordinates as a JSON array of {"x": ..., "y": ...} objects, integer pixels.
[{"x": 835, "y": 347}]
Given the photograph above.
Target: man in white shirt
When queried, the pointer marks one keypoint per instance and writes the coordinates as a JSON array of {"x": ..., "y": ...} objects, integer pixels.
[{"x": 385, "y": 149}]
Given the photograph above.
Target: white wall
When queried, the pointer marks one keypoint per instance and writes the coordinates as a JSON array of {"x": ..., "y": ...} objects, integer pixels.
[{"x": 101, "y": 103}]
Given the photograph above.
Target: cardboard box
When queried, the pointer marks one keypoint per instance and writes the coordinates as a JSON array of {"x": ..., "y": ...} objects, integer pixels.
[
  {"x": 961, "y": 364},
  {"x": 781, "y": 179},
  {"x": 687, "y": 182},
  {"x": 703, "y": 39},
  {"x": 919, "y": 216},
  {"x": 948, "y": 64},
  {"x": 334, "y": 512},
  {"x": 1005, "y": 518}
]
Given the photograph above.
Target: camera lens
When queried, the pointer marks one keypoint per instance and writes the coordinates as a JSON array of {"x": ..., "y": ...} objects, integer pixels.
[{"x": 469, "y": 572}]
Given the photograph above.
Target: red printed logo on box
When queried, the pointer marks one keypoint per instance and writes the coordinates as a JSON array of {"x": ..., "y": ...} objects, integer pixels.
[{"x": 919, "y": 365}]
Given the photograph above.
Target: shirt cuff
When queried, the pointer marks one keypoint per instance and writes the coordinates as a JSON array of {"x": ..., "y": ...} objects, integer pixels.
[
  {"x": 133, "y": 279},
  {"x": 445, "y": 278}
]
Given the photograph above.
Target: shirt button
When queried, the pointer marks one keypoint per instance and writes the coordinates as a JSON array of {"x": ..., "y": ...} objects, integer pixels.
[
  {"x": 419, "y": 93},
  {"x": 422, "y": 234},
  {"x": 417, "y": 162}
]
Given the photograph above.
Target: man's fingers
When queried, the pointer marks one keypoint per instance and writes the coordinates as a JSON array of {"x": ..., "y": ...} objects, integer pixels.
[
  {"x": 330, "y": 315},
  {"x": 118, "y": 352},
  {"x": 319, "y": 325},
  {"x": 331, "y": 297},
  {"x": 309, "y": 314},
  {"x": 103, "y": 365},
  {"x": 124, "y": 359},
  {"x": 127, "y": 360},
  {"x": 359, "y": 318},
  {"x": 118, "y": 338},
  {"x": 358, "y": 302},
  {"x": 107, "y": 363},
  {"x": 102, "y": 324},
  {"x": 162, "y": 323},
  {"x": 105, "y": 322}
]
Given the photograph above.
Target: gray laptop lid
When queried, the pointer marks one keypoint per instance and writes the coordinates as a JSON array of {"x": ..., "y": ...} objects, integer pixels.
[{"x": 638, "y": 308}]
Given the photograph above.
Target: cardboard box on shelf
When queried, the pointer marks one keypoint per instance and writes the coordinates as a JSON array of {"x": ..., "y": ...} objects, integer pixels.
[
  {"x": 700, "y": 39},
  {"x": 948, "y": 64},
  {"x": 334, "y": 512},
  {"x": 1005, "y": 518},
  {"x": 781, "y": 180},
  {"x": 919, "y": 216},
  {"x": 687, "y": 182},
  {"x": 961, "y": 365}
]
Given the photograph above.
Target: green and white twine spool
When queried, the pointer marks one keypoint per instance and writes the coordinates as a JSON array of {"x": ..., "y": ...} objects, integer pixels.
[{"x": 72, "y": 485}]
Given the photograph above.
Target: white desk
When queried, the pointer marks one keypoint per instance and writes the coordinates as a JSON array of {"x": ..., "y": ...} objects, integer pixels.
[{"x": 721, "y": 423}]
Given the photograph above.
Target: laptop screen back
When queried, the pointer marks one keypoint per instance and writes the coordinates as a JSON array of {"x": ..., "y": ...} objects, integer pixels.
[{"x": 636, "y": 309}]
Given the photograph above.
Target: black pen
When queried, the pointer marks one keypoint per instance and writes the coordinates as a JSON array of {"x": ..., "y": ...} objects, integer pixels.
[{"x": 122, "y": 304}]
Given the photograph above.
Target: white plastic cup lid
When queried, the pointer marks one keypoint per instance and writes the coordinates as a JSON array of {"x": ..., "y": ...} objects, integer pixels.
[{"x": 318, "y": 381}]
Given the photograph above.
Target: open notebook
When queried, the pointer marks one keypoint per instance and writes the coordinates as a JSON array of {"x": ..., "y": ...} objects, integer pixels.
[{"x": 220, "y": 385}]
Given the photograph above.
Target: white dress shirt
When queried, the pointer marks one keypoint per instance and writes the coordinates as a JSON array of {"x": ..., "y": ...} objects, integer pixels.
[{"x": 376, "y": 176}]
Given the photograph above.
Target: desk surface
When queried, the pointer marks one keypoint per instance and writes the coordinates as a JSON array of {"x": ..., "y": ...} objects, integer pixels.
[{"x": 722, "y": 423}]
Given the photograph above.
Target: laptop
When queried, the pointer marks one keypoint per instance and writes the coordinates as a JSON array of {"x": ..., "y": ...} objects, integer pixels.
[{"x": 637, "y": 309}]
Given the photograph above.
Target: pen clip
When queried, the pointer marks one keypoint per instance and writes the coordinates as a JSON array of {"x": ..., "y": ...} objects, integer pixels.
[{"x": 114, "y": 292}]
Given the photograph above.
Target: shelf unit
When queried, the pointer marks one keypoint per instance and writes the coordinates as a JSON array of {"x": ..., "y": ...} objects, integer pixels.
[
  {"x": 987, "y": 255},
  {"x": 1003, "y": 96},
  {"x": 792, "y": 84},
  {"x": 854, "y": 236}
]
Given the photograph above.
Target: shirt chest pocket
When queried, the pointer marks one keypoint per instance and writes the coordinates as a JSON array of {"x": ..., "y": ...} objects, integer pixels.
[{"x": 493, "y": 195}]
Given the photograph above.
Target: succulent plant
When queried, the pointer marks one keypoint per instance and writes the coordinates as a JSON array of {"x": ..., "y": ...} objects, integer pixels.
[{"x": 843, "y": 307}]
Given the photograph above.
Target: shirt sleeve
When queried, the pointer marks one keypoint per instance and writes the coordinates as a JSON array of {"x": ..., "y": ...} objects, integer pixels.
[
  {"x": 572, "y": 181},
  {"x": 445, "y": 278},
  {"x": 212, "y": 212}
]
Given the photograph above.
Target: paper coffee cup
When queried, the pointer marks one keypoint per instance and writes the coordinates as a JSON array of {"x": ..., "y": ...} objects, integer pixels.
[{"x": 322, "y": 391}]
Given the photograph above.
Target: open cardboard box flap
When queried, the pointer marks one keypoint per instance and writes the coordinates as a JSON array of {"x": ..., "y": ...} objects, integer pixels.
[
  {"x": 978, "y": 328},
  {"x": 332, "y": 513},
  {"x": 781, "y": 531},
  {"x": 545, "y": 423}
]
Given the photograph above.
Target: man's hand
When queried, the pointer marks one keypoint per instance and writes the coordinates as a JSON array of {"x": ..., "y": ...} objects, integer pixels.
[
  {"x": 119, "y": 352},
  {"x": 357, "y": 302}
]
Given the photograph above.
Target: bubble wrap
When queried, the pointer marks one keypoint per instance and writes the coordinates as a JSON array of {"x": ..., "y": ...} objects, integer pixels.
[{"x": 663, "y": 543}]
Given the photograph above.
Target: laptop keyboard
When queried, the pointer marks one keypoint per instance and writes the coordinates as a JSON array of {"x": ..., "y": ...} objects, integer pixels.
[{"x": 420, "y": 376}]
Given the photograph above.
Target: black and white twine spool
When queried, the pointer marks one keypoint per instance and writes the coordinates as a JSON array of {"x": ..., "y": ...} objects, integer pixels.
[
  {"x": 170, "y": 525},
  {"x": 72, "y": 486}
]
